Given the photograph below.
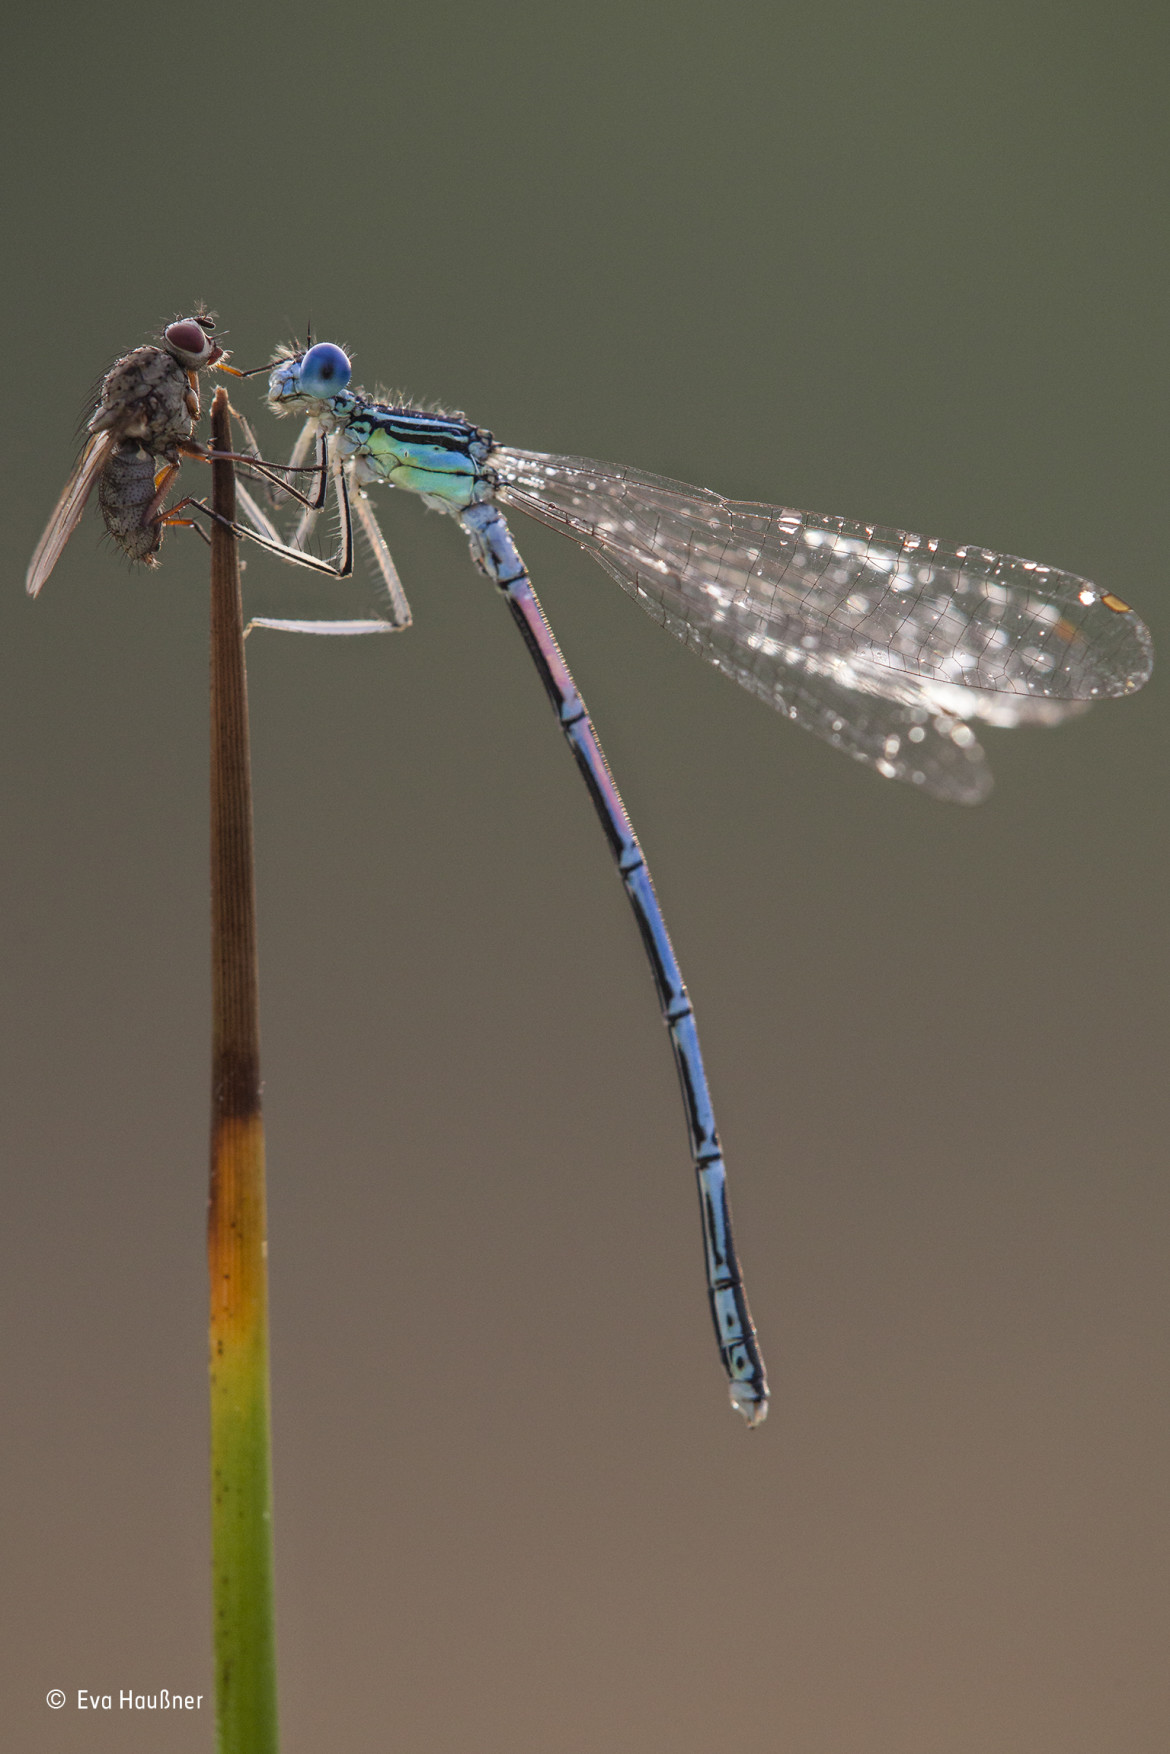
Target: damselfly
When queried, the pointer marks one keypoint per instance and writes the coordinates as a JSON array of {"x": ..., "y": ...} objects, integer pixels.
[
  {"x": 882, "y": 643},
  {"x": 146, "y": 414}
]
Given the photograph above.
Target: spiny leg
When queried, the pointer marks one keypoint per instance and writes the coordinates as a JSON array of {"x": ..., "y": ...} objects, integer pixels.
[
  {"x": 398, "y": 616},
  {"x": 296, "y": 464},
  {"x": 342, "y": 568},
  {"x": 304, "y": 441},
  {"x": 308, "y": 518},
  {"x": 282, "y": 549},
  {"x": 154, "y": 512},
  {"x": 399, "y": 609},
  {"x": 266, "y": 535},
  {"x": 305, "y": 560},
  {"x": 255, "y": 515}
]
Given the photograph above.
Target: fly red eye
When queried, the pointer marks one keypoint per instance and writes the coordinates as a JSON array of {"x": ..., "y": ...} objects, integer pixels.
[{"x": 188, "y": 341}]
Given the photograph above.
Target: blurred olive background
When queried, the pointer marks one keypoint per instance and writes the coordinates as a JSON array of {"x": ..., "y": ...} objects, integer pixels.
[{"x": 903, "y": 262}]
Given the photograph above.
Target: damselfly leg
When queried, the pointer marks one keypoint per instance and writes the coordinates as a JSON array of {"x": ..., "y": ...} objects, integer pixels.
[{"x": 264, "y": 533}]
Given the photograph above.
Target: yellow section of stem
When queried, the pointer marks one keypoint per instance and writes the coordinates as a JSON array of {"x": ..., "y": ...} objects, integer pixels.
[
  {"x": 237, "y": 1246},
  {"x": 237, "y": 1240}
]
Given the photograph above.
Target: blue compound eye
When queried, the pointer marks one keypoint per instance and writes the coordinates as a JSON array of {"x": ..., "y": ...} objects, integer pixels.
[{"x": 324, "y": 371}]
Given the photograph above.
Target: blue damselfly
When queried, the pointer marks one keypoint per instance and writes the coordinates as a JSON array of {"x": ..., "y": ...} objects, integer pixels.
[{"x": 882, "y": 643}]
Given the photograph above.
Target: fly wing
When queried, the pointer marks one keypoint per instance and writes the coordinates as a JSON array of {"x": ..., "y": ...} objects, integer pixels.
[
  {"x": 763, "y": 591},
  {"x": 68, "y": 510}
]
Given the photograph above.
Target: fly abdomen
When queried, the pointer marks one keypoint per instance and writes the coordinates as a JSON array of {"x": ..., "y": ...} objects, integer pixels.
[{"x": 125, "y": 491}]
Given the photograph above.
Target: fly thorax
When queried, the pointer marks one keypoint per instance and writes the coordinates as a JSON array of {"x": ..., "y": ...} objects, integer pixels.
[{"x": 145, "y": 397}]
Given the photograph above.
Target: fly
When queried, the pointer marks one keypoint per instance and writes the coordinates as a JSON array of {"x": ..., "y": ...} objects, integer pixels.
[{"x": 142, "y": 427}]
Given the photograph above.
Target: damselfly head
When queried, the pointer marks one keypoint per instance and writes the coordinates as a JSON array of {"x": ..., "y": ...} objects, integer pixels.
[
  {"x": 316, "y": 376},
  {"x": 190, "y": 342}
]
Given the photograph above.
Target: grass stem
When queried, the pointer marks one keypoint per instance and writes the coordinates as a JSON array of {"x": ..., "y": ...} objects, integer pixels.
[{"x": 241, "y": 1465}]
